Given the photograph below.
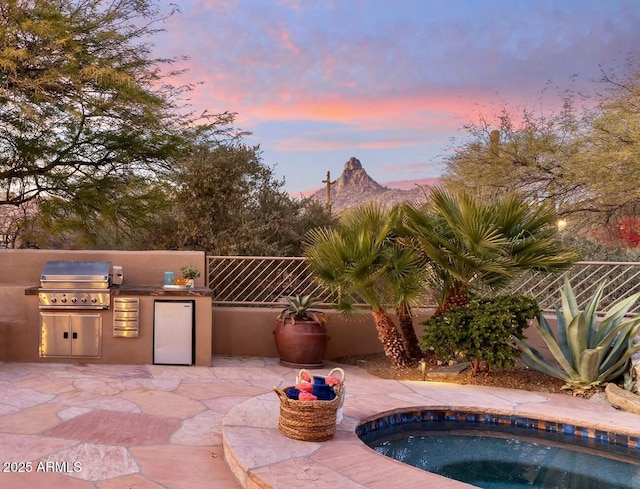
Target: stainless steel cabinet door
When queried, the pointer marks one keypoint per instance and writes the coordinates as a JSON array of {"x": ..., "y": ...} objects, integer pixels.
[
  {"x": 66, "y": 335},
  {"x": 86, "y": 330},
  {"x": 55, "y": 340}
]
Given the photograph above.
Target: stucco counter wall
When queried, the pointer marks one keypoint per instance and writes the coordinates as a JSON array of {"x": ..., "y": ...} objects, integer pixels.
[{"x": 143, "y": 276}]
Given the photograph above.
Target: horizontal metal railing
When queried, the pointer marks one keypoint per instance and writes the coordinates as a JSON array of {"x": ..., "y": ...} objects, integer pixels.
[{"x": 264, "y": 281}]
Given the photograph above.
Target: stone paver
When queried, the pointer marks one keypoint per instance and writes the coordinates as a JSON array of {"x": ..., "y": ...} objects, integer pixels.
[
  {"x": 84, "y": 426},
  {"x": 116, "y": 428},
  {"x": 81, "y": 426},
  {"x": 31, "y": 420},
  {"x": 182, "y": 467}
]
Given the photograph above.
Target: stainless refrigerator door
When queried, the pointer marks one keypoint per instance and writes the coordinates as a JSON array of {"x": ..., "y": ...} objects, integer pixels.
[{"x": 173, "y": 332}]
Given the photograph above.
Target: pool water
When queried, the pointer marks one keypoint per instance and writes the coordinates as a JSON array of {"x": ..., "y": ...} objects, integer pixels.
[{"x": 507, "y": 458}]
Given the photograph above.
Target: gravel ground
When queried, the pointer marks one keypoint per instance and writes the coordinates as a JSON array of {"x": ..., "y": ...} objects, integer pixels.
[{"x": 520, "y": 377}]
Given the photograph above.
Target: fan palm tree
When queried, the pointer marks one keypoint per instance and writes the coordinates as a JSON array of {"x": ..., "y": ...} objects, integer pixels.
[
  {"x": 362, "y": 259},
  {"x": 478, "y": 245}
]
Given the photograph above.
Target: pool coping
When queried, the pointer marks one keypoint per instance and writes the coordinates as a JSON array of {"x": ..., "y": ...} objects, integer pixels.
[{"x": 262, "y": 458}]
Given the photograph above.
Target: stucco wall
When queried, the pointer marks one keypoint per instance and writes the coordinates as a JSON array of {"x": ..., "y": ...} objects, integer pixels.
[
  {"x": 249, "y": 332},
  {"x": 139, "y": 267}
]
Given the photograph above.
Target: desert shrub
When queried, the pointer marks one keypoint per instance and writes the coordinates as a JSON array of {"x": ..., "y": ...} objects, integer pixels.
[{"x": 481, "y": 331}]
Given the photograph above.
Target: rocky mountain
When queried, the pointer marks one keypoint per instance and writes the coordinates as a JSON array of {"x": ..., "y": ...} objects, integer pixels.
[{"x": 355, "y": 187}]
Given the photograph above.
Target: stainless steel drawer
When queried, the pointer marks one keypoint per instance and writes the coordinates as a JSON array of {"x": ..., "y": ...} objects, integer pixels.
[{"x": 126, "y": 317}]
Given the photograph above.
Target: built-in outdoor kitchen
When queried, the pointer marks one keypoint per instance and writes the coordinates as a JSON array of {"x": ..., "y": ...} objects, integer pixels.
[{"x": 103, "y": 307}]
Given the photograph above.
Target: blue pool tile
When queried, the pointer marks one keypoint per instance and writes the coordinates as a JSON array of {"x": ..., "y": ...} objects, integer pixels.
[{"x": 589, "y": 436}]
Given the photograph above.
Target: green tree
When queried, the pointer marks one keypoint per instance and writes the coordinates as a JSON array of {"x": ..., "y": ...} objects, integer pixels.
[
  {"x": 608, "y": 164},
  {"x": 87, "y": 118},
  {"x": 585, "y": 163},
  {"x": 533, "y": 155},
  {"x": 363, "y": 259},
  {"x": 228, "y": 202},
  {"x": 476, "y": 245}
]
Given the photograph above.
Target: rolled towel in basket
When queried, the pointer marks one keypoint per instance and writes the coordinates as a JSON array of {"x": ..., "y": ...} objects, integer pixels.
[
  {"x": 323, "y": 392},
  {"x": 293, "y": 393},
  {"x": 305, "y": 387},
  {"x": 307, "y": 396}
]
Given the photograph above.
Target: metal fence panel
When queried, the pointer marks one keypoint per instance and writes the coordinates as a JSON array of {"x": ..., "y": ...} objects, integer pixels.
[
  {"x": 264, "y": 281},
  {"x": 259, "y": 280},
  {"x": 622, "y": 278}
]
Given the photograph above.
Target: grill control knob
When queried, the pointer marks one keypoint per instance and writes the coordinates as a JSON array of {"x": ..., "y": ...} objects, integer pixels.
[
  {"x": 94, "y": 300},
  {"x": 54, "y": 300},
  {"x": 64, "y": 299},
  {"x": 83, "y": 300},
  {"x": 74, "y": 300}
]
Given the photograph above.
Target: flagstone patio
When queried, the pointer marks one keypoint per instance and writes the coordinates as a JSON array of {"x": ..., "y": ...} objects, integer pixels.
[{"x": 78, "y": 426}]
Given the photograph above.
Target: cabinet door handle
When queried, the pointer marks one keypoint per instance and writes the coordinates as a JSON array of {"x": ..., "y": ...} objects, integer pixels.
[
  {"x": 65, "y": 335},
  {"x": 75, "y": 336}
]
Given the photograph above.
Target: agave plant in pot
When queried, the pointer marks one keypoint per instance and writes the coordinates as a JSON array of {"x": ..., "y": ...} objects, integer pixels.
[{"x": 301, "y": 334}]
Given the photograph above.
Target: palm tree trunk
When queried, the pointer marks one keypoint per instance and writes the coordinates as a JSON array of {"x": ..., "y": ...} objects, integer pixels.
[
  {"x": 408, "y": 333},
  {"x": 391, "y": 339},
  {"x": 456, "y": 296}
]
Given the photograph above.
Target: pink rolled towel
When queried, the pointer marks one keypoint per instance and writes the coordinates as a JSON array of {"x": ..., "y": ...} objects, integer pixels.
[
  {"x": 307, "y": 396},
  {"x": 304, "y": 387}
]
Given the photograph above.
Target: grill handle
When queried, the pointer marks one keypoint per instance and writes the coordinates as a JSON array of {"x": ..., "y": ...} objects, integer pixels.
[{"x": 65, "y": 335}]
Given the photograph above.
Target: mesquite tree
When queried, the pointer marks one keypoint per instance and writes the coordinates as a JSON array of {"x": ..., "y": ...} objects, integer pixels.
[{"x": 88, "y": 121}]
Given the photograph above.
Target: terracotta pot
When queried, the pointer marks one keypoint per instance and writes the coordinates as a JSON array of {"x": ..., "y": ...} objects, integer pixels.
[{"x": 301, "y": 345}]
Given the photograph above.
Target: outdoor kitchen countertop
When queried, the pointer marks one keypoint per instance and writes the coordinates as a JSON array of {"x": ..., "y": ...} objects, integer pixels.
[
  {"x": 146, "y": 290},
  {"x": 160, "y": 290}
]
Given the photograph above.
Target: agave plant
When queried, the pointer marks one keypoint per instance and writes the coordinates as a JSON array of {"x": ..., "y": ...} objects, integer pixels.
[
  {"x": 299, "y": 308},
  {"x": 588, "y": 352}
]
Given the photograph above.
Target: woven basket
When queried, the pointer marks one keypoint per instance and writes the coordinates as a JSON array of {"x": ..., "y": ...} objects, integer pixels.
[
  {"x": 307, "y": 420},
  {"x": 336, "y": 372}
]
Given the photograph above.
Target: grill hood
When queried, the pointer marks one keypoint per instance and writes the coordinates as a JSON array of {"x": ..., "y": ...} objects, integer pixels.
[{"x": 76, "y": 274}]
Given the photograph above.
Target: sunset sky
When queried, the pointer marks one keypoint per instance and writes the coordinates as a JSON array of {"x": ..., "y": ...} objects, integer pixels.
[{"x": 390, "y": 82}]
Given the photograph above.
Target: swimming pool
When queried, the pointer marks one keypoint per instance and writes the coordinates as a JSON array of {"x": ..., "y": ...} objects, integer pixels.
[{"x": 506, "y": 452}]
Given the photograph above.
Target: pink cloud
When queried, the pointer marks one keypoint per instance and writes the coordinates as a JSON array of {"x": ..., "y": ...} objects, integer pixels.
[
  {"x": 333, "y": 143},
  {"x": 285, "y": 38},
  {"x": 347, "y": 109}
]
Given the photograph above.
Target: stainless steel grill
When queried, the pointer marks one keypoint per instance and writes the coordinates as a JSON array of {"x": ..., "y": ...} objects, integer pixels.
[{"x": 75, "y": 285}]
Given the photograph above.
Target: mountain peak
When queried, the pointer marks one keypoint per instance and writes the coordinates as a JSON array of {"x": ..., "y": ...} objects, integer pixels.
[
  {"x": 354, "y": 178},
  {"x": 353, "y": 163},
  {"x": 355, "y": 186}
]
